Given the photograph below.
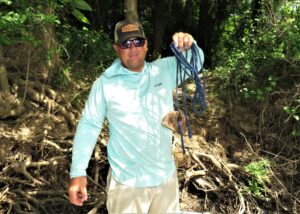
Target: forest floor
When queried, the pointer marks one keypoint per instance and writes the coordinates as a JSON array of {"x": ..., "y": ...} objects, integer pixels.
[{"x": 35, "y": 154}]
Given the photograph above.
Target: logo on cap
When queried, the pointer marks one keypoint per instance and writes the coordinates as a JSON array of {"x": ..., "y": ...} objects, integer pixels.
[{"x": 129, "y": 28}]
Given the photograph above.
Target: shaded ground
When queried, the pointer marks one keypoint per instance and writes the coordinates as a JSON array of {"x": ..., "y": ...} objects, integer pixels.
[{"x": 35, "y": 152}]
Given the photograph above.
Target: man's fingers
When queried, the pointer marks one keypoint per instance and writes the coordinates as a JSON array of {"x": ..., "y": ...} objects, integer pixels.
[
  {"x": 187, "y": 41},
  {"x": 77, "y": 190},
  {"x": 183, "y": 40},
  {"x": 77, "y": 198},
  {"x": 84, "y": 195},
  {"x": 175, "y": 39},
  {"x": 180, "y": 40},
  {"x": 190, "y": 41}
]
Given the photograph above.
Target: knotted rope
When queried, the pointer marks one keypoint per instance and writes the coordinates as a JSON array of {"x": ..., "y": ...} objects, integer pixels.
[{"x": 191, "y": 69}]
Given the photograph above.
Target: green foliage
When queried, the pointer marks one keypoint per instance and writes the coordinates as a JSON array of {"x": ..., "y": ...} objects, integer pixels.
[
  {"x": 84, "y": 48},
  {"x": 80, "y": 16},
  {"x": 250, "y": 45},
  {"x": 260, "y": 93},
  {"x": 7, "y": 2},
  {"x": 76, "y": 6},
  {"x": 62, "y": 77},
  {"x": 259, "y": 55},
  {"x": 81, "y": 4},
  {"x": 293, "y": 110},
  {"x": 260, "y": 171},
  {"x": 20, "y": 20}
]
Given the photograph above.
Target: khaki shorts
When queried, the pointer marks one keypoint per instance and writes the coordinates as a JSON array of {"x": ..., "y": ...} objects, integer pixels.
[{"x": 156, "y": 200}]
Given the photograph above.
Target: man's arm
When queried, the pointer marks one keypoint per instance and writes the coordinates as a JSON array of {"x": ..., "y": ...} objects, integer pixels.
[{"x": 85, "y": 139}]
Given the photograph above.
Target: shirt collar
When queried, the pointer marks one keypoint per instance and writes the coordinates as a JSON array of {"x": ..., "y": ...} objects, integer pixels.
[{"x": 117, "y": 68}]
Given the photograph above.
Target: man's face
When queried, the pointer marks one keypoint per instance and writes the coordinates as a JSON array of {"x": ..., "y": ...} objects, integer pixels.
[{"x": 132, "y": 57}]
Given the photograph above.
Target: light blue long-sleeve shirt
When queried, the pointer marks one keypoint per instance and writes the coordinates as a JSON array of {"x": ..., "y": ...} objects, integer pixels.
[{"x": 134, "y": 103}]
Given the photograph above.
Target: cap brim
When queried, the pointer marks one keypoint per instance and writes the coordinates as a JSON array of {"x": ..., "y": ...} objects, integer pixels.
[{"x": 130, "y": 35}]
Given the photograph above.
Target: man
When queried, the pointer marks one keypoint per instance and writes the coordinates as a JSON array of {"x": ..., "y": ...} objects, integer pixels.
[{"x": 134, "y": 96}]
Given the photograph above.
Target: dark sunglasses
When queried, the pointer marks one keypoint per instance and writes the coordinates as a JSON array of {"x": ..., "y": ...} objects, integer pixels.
[{"x": 136, "y": 42}]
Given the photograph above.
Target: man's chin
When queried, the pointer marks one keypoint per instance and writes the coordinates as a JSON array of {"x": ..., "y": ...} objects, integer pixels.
[{"x": 135, "y": 67}]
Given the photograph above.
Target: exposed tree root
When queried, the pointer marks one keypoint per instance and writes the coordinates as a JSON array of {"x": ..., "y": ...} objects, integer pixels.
[
  {"x": 222, "y": 181},
  {"x": 35, "y": 161},
  {"x": 47, "y": 97},
  {"x": 10, "y": 106},
  {"x": 35, "y": 152}
]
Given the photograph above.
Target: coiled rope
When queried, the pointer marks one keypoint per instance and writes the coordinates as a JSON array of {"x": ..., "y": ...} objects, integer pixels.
[{"x": 190, "y": 69}]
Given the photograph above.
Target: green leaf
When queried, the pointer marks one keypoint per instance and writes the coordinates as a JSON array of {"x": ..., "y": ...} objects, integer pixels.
[
  {"x": 287, "y": 109},
  {"x": 7, "y": 2},
  {"x": 82, "y": 5},
  {"x": 64, "y": 2},
  {"x": 6, "y": 41},
  {"x": 80, "y": 16},
  {"x": 295, "y": 133}
]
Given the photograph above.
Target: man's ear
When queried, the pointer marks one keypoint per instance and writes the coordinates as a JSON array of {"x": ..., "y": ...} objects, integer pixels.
[
  {"x": 115, "y": 47},
  {"x": 146, "y": 44}
]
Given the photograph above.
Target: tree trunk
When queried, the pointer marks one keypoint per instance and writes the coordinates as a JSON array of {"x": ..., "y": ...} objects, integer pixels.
[
  {"x": 10, "y": 106},
  {"x": 211, "y": 18},
  {"x": 190, "y": 14},
  {"x": 49, "y": 59},
  {"x": 96, "y": 15},
  {"x": 162, "y": 9},
  {"x": 4, "y": 86},
  {"x": 130, "y": 9}
]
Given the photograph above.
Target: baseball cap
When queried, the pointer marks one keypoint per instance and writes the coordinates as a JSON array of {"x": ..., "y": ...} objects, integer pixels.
[{"x": 127, "y": 29}]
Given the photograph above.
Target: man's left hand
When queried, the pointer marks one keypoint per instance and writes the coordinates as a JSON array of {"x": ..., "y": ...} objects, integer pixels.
[{"x": 183, "y": 40}]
